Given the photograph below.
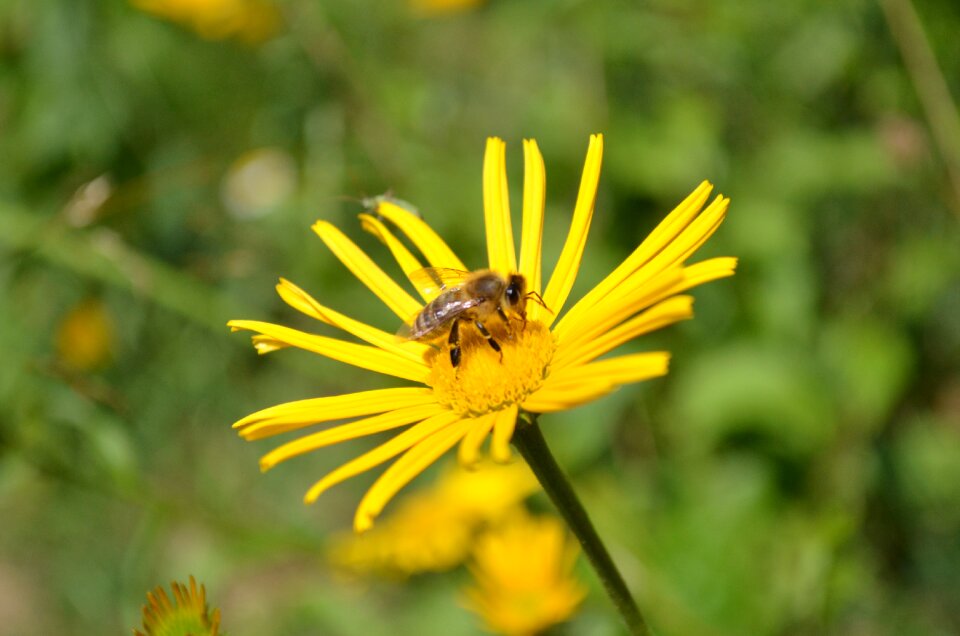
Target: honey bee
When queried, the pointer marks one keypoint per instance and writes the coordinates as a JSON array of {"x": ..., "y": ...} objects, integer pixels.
[{"x": 471, "y": 297}]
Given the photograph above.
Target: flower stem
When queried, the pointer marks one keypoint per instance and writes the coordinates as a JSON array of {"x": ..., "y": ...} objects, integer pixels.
[{"x": 533, "y": 447}]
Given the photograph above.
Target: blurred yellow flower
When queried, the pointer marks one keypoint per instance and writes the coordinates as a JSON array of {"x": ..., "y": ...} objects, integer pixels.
[
  {"x": 85, "y": 336},
  {"x": 186, "y": 615},
  {"x": 251, "y": 21},
  {"x": 523, "y": 572},
  {"x": 431, "y": 8},
  {"x": 542, "y": 367},
  {"x": 433, "y": 530}
]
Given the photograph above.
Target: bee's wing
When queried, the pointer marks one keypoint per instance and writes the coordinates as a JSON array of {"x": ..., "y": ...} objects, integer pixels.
[
  {"x": 442, "y": 316},
  {"x": 430, "y": 281}
]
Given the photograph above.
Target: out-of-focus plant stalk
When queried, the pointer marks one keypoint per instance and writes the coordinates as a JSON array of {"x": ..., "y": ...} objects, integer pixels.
[{"x": 931, "y": 87}]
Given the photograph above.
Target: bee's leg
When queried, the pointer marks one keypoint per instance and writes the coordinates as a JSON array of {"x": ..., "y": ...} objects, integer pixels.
[
  {"x": 486, "y": 334},
  {"x": 504, "y": 318},
  {"x": 454, "y": 341}
]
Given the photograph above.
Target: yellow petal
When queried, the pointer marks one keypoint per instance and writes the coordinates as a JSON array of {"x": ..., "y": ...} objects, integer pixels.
[
  {"x": 673, "y": 254},
  {"x": 660, "y": 315},
  {"x": 506, "y": 421},
  {"x": 382, "y": 453},
  {"x": 304, "y": 302},
  {"x": 706, "y": 271},
  {"x": 666, "y": 231},
  {"x": 565, "y": 273},
  {"x": 496, "y": 208},
  {"x": 407, "y": 261},
  {"x": 636, "y": 287},
  {"x": 470, "y": 445},
  {"x": 386, "y": 289},
  {"x": 534, "y": 194},
  {"x": 402, "y": 471},
  {"x": 692, "y": 237},
  {"x": 616, "y": 308},
  {"x": 353, "y": 430},
  {"x": 363, "y": 356},
  {"x": 294, "y": 415},
  {"x": 437, "y": 253},
  {"x": 635, "y": 294},
  {"x": 619, "y": 370},
  {"x": 560, "y": 396},
  {"x": 573, "y": 386},
  {"x": 265, "y": 344},
  {"x": 692, "y": 275}
]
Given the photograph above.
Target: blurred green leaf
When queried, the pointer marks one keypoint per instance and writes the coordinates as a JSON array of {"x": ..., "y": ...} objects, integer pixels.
[{"x": 749, "y": 390}]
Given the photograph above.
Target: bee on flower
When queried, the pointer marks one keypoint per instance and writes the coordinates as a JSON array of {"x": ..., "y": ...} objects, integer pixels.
[
  {"x": 479, "y": 355},
  {"x": 469, "y": 297}
]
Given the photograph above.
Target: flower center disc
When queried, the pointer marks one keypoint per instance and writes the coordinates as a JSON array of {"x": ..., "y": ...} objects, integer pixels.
[{"x": 483, "y": 382}]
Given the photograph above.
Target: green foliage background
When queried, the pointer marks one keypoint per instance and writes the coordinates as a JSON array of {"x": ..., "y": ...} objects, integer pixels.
[{"x": 798, "y": 472}]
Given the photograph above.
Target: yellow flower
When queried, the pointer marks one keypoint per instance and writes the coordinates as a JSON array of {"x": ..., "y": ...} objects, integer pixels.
[
  {"x": 433, "y": 530},
  {"x": 547, "y": 365},
  {"x": 85, "y": 337},
  {"x": 188, "y": 614},
  {"x": 524, "y": 576},
  {"x": 251, "y": 21}
]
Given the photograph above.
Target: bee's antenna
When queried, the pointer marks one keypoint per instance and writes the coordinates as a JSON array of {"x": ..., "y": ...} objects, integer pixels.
[
  {"x": 347, "y": 197},
  {"x": 539, "y": 300}
]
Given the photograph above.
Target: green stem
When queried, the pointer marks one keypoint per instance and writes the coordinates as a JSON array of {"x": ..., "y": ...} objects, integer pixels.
[{"x": 530, "y": 442}]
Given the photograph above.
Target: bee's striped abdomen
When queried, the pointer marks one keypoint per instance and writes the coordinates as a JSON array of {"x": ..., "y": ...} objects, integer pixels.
[{"x": 434, "y": 315}]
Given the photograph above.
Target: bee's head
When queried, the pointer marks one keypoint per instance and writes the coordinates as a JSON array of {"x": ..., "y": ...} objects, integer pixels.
[{"x": 515, "y": 292}]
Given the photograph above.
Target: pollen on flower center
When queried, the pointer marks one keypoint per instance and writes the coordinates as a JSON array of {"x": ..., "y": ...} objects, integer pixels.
[{"x": 483, "y": 382}]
